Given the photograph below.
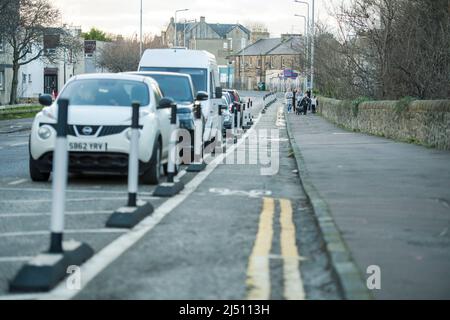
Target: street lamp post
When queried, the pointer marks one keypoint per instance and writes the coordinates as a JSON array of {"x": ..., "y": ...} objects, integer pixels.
[
  {"x": 312, "y": 27},
  {"x": 184, "y": 30},
  {"x": 306, "y": 45},
  {"x": 140, "y": 27},
  {"x": 312, "y": 47},
  {"x": 175, "y": 42}
]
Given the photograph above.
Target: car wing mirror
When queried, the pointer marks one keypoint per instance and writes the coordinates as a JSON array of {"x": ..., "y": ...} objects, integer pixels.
[
  {"x": 202, "y": 96},
  {"x": 166, "y": 103},
  {"x": 45, "y": 100}
]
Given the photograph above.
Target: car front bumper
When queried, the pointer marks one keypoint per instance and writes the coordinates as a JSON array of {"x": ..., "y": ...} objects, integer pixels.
[{"x": 92, "y": 162}]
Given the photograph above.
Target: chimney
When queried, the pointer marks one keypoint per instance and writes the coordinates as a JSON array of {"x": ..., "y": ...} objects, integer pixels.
[{"x": 202, "y": 19}]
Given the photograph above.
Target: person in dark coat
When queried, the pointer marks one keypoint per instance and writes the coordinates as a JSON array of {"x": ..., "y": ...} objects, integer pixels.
[{"x": 305, "y": 102}]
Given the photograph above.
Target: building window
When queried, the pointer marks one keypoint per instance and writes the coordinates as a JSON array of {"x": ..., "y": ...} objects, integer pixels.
[
  {"x": 29, "y": 78},
  {"x": 2, "y": 80},
  {"x": 24, "y": 78}
]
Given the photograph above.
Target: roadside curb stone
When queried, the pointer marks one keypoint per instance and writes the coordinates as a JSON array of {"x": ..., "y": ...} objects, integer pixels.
[{"x": 349, "y": 278}]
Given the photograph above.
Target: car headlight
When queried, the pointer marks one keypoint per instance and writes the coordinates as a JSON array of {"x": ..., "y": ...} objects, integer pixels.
[
  {"x": 128, "y": 134},
  {"x": 44, "y": 132}
]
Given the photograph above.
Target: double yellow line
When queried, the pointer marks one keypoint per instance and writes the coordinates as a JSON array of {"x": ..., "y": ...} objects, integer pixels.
[{"x": 258, "y": 272}]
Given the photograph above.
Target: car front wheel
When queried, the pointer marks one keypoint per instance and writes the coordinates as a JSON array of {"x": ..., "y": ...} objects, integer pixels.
[
  {"x": 153, "y": 174},
  {"x": 35, "y": 173}
]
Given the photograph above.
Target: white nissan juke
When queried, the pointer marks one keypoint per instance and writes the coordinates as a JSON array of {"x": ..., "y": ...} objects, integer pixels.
[{"x": 99, "y": 127}]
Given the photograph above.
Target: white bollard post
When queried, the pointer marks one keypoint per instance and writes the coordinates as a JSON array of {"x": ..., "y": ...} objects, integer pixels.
[
  {"x": 135, "y": 211},
  {"x": 133, "y": 160},
  {"x": 239, "y": 124},
  {"x": 235, "y": 114},
  {"x": 172, "y": 145},
  {"x": 198, "y": 164},
  {"x": 59, "y": 184},
  {"x": 219, "y": 137},
  {"x": 46, "y": 270}
]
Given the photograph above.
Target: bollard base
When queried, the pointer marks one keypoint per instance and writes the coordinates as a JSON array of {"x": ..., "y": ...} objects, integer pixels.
[
  {"x": 196, "y": 167},
  {"x": 168, "y": 189},
  {"x": 128, "y": 217},
  {"x": 45, "y": 271}
]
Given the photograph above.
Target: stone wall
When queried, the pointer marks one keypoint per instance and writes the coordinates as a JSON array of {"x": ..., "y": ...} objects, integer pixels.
[{"x": 422, "y": 122}]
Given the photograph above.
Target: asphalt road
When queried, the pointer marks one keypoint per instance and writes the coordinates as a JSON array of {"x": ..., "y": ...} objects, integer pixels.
[{"x": 233, "y": 233}]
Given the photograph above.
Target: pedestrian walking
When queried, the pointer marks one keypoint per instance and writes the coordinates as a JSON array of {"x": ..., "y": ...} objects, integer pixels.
[
  {"x": 314, "y": 104},
  {"x": 288, "y": 98},
  {"x": 305, "y": 102}
]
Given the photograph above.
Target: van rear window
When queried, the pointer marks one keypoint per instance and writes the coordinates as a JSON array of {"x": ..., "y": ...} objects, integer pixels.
[{"x": 199, "y": 76}]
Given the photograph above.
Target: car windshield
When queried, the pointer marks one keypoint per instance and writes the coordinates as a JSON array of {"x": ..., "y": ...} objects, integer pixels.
[
  {"x": 106, "y": 92},
  {"x": 232, "y": 96},
  {"x": 175, "y": 87},
  {"x": 198, "y": 76}
]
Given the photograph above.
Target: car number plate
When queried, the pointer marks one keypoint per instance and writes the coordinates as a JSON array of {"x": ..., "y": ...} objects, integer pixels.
[{"x": 88, "y": 146}]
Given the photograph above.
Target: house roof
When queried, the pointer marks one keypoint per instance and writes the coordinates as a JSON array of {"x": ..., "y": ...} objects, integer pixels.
[
  {"x": 273, "y": 46},
  {"x": 290, "y": 46},
  {"x": 181, "y": 25},
  {"x": 223, "y": 28}
]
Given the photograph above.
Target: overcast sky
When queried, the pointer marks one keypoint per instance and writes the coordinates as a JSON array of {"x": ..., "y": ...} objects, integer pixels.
[{"x": 122, "y": 17}]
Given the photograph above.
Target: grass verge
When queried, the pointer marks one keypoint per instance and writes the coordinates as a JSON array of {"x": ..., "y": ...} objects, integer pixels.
[{"x": 20, "y": 113}]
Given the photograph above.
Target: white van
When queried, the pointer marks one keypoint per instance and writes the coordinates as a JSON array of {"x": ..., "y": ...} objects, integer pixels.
[{"x": 201, "y": 66}]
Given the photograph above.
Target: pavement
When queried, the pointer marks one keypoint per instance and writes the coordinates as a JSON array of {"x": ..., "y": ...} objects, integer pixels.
[
  {"x": 232, "y": 233},
  {"x": 15, "y": 125},
  {"x": 389, "y": 200}
]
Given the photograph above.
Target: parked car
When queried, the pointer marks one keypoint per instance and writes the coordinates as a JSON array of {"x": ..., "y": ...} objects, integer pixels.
[
  {"x": 99, "y": 127},
  {"x": 228, "y": 100},
  {"x": 227, "y": 117},
  {"x": 180, "y": 88},
  {"x": 237, "y": 101},
  {"x": 201, "y": 66}
]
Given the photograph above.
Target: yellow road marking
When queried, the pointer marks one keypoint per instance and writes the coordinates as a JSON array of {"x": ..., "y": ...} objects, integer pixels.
[
  {"x": 258, "y": 272},
  {"x": 293, "y": 284}
]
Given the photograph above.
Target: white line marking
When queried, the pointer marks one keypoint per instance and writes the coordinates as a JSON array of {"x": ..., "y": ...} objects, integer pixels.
[
  {"x": 181, "y": 174},
  {"x": 74, "y": 200},
  {"x": 41, "y": 214},
  {"x": 116, "y": 248},
  {"x": 74, "y": 190},
  {"x": 15, "y": 183},
  {"x": 18, "y": 144},
  {"x": 15, "y": 259},
  {"x": 31, "y": 296},
  {"x": 47, "y": 232}
]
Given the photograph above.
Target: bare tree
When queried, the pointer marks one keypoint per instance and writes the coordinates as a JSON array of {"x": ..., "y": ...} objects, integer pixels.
[
  {"x": 421, "y": 59},
  {"x": 22, "y": 25},
  {"x": 123, "y": 53},
  {"x": 388, "y": 49}
]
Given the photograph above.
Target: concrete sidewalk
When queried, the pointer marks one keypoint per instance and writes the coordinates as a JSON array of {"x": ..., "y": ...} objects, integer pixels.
[{"x": 390, "y": 201}]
